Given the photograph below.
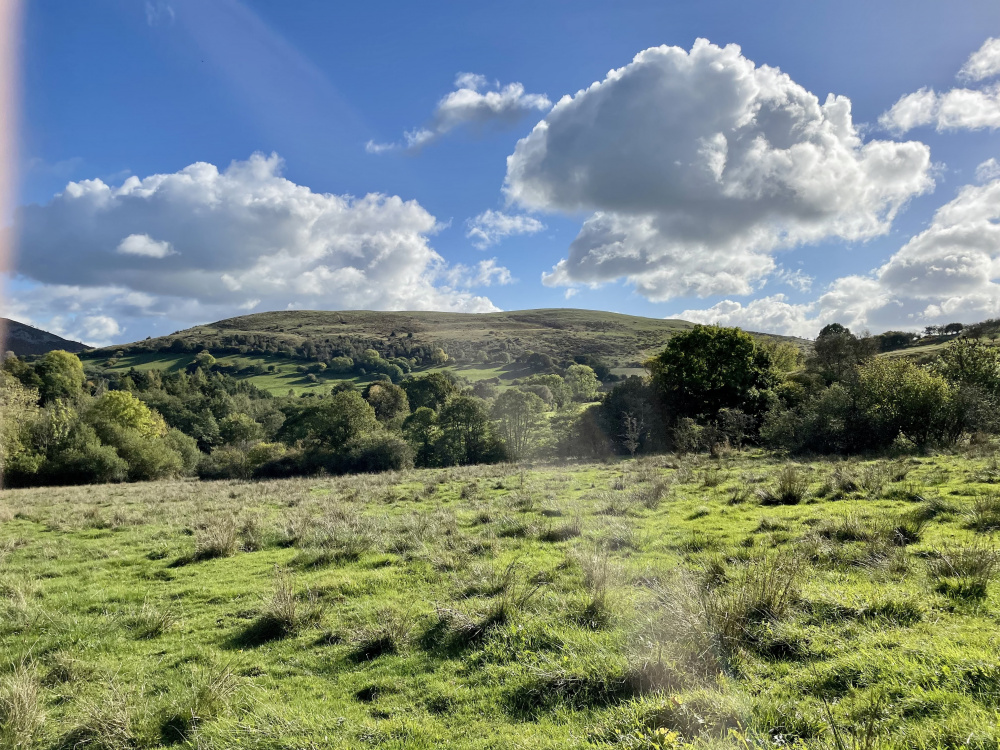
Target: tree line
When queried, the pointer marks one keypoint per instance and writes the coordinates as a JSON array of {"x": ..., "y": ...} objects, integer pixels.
[{"x": 712, "y": 388}]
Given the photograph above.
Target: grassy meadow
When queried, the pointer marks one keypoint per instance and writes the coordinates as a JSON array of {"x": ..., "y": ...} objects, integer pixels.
[{"x": 744, "y": 602}]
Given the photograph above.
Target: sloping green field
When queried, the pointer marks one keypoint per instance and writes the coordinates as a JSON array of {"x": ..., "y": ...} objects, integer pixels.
[{"x": 742, "y": 602}]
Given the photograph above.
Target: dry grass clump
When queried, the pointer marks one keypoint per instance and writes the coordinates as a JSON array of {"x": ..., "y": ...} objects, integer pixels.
[
  {"x": 285, "y": 614},
  {"x": 21, "y": 714},
  {"x": 338, "y": 538},
  {"x": 511, "y": 591},
  {"x": 563, "y": 532},
  {"x": 217, "y": 537},
  {"x": 789, "y": 488},
  {"x": 984, "y": 515},
  {"x": 148, "y": 620},
  {"x": 964, "y": 573},
  {"x": 107, "y": 723},
  {"x": 389, "y": 635},
  {"x": 209, "y": 695},
  {"x": 699, "y": 628}
]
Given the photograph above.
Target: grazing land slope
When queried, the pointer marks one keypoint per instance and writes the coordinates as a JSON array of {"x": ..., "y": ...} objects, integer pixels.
[
  {"x": 478, "y": 345},
  {"x": 672, "y": 602}
]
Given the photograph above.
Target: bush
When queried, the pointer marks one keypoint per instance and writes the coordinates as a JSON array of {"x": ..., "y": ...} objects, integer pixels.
[
  {"x": 376, "y": 452},
  {"x": 82, "y": 459}
]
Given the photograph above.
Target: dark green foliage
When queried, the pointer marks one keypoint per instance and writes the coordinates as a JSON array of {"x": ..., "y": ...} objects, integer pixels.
[
  {"x": 710, "y": 368},
  {"x": 430, "y": 390}
]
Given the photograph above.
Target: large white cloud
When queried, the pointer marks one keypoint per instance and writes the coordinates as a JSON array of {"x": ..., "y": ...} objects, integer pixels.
[
  {"x": 203, "y": 243},
  {"x": 956, "y": 109},
  {"x": 948, "y": 272},
  {"x": 473, "y": 102},
  {"x": 698, "y": 165}
]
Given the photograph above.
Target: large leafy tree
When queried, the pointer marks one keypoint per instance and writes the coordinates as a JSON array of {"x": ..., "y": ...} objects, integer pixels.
[
  {"x": 518, "y": 416},
  {"x": 711, "y": 368},
  {"x": 61, "y": 375},
  {"x": 430, "y": 391}
]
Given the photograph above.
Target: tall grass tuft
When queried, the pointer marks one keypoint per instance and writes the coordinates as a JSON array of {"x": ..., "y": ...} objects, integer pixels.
[
  {"x": 21, "y": 714},
  {"x": 984, "y": 515},
  {"x": 964, "y": 573},
  {"x": 217, "y": 538},
  {"x": 106, "y": 724},
  {"x": 790, "y": 488},
  {"x": 285, "y": 615},
  {"x": 149, "y": 620}
]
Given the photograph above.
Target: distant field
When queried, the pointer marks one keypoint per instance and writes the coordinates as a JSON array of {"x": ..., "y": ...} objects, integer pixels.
[
  {"x": 666, "y": 603},
  {"x": 286, "y": 378}
]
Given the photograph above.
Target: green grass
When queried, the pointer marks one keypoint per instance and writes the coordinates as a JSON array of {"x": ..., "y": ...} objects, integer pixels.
[{"x": 651, "y": 604}]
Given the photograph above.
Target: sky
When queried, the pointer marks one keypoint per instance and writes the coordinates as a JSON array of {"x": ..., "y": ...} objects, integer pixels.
[{"x": 777, "y": 166}]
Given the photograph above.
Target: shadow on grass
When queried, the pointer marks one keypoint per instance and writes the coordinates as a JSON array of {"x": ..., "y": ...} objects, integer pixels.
[{"x": 264, "y": 629}]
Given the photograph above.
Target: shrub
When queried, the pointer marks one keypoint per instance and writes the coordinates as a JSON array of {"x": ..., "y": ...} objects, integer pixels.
[{"x": 376, "y": 452}]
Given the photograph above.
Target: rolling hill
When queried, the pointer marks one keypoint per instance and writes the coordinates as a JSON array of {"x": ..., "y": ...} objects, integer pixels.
[
  {"x": 271, "y": 348},
  {"x": 23, "y": 339}
]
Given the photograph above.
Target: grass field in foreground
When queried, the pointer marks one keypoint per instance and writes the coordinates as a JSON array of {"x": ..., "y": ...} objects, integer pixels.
[{"x": 743, "y": 602}]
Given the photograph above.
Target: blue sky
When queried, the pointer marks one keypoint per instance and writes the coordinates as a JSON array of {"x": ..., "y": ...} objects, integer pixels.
[{"x": 648, "y": 194}]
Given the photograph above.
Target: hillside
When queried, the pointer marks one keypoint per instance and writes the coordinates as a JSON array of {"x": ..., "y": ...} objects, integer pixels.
[
  {"x": 270, "y": 347},
  {"x": 559, "y": 333},
  {"x": 23, "y": 339}
]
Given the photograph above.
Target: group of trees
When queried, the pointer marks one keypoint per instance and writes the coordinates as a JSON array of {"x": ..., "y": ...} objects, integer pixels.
[
  {"x": 711, "y": 387},
  {"x": 63, "y": 425},
  {"x": 715, "y": 386}
]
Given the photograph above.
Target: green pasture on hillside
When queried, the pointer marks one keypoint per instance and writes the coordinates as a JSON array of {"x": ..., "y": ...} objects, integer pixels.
[{"x": 746, "y": 602}]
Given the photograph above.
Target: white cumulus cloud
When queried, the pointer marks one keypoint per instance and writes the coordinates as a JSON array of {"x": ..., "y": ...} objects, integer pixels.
[
  {"x": 949, "y": 272},
  {"x": 475, "y": 101},
  {"x": 698, "y": 165},
  {"x": 202, "y": 243},
  {"x": 984, "y": 62},
  {"x": 490, "y": 227},
  {"x": 143, "y": 244},
  {"x": 955, "y": 109}
]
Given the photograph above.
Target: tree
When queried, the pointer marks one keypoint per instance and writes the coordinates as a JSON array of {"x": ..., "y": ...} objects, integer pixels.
[
  {"x": 19, "y": 413},
  {"x": 389, "y": 402},
  {"x": 122, "y": 409},
  {"x": 240, "y": 429},
  {"x": 334, "y": 421},
  {"x": 837, "y": 351},
  {"x": 970, "y": 362},
  {"x": 710, "y": 368},
  {"x": 204, "y": 359},
  {"x": 953, "y": 328},
  {"x": 896, "y": 397},
  {"x": 421, "y": 430},
  {"x": 61, "y": 374},
  {"x": 466, "y": 433},
  {"x": 582, "y": 382},
  {"x": 518, "y": 415},
  {"x": 430, "y": 390}
]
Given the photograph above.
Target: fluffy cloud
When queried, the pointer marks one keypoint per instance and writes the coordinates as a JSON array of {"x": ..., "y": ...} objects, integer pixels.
[
  {"x": 490, "y": 227},
  {"x": 983, "y": 63},
  {"x": 143, "y": 244},
  {"x": 948, "y": 272},
  {"x": 698, "y": 165},
  {"x": 988, "y": 170},
  {"x": 473, "y": 102},
  {"x": 203, "y": 243},
  {"x": 956, "y": 109}
]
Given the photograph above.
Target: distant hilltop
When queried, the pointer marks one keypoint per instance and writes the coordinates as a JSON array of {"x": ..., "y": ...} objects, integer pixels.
[{"x": 23, "y": 339}]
